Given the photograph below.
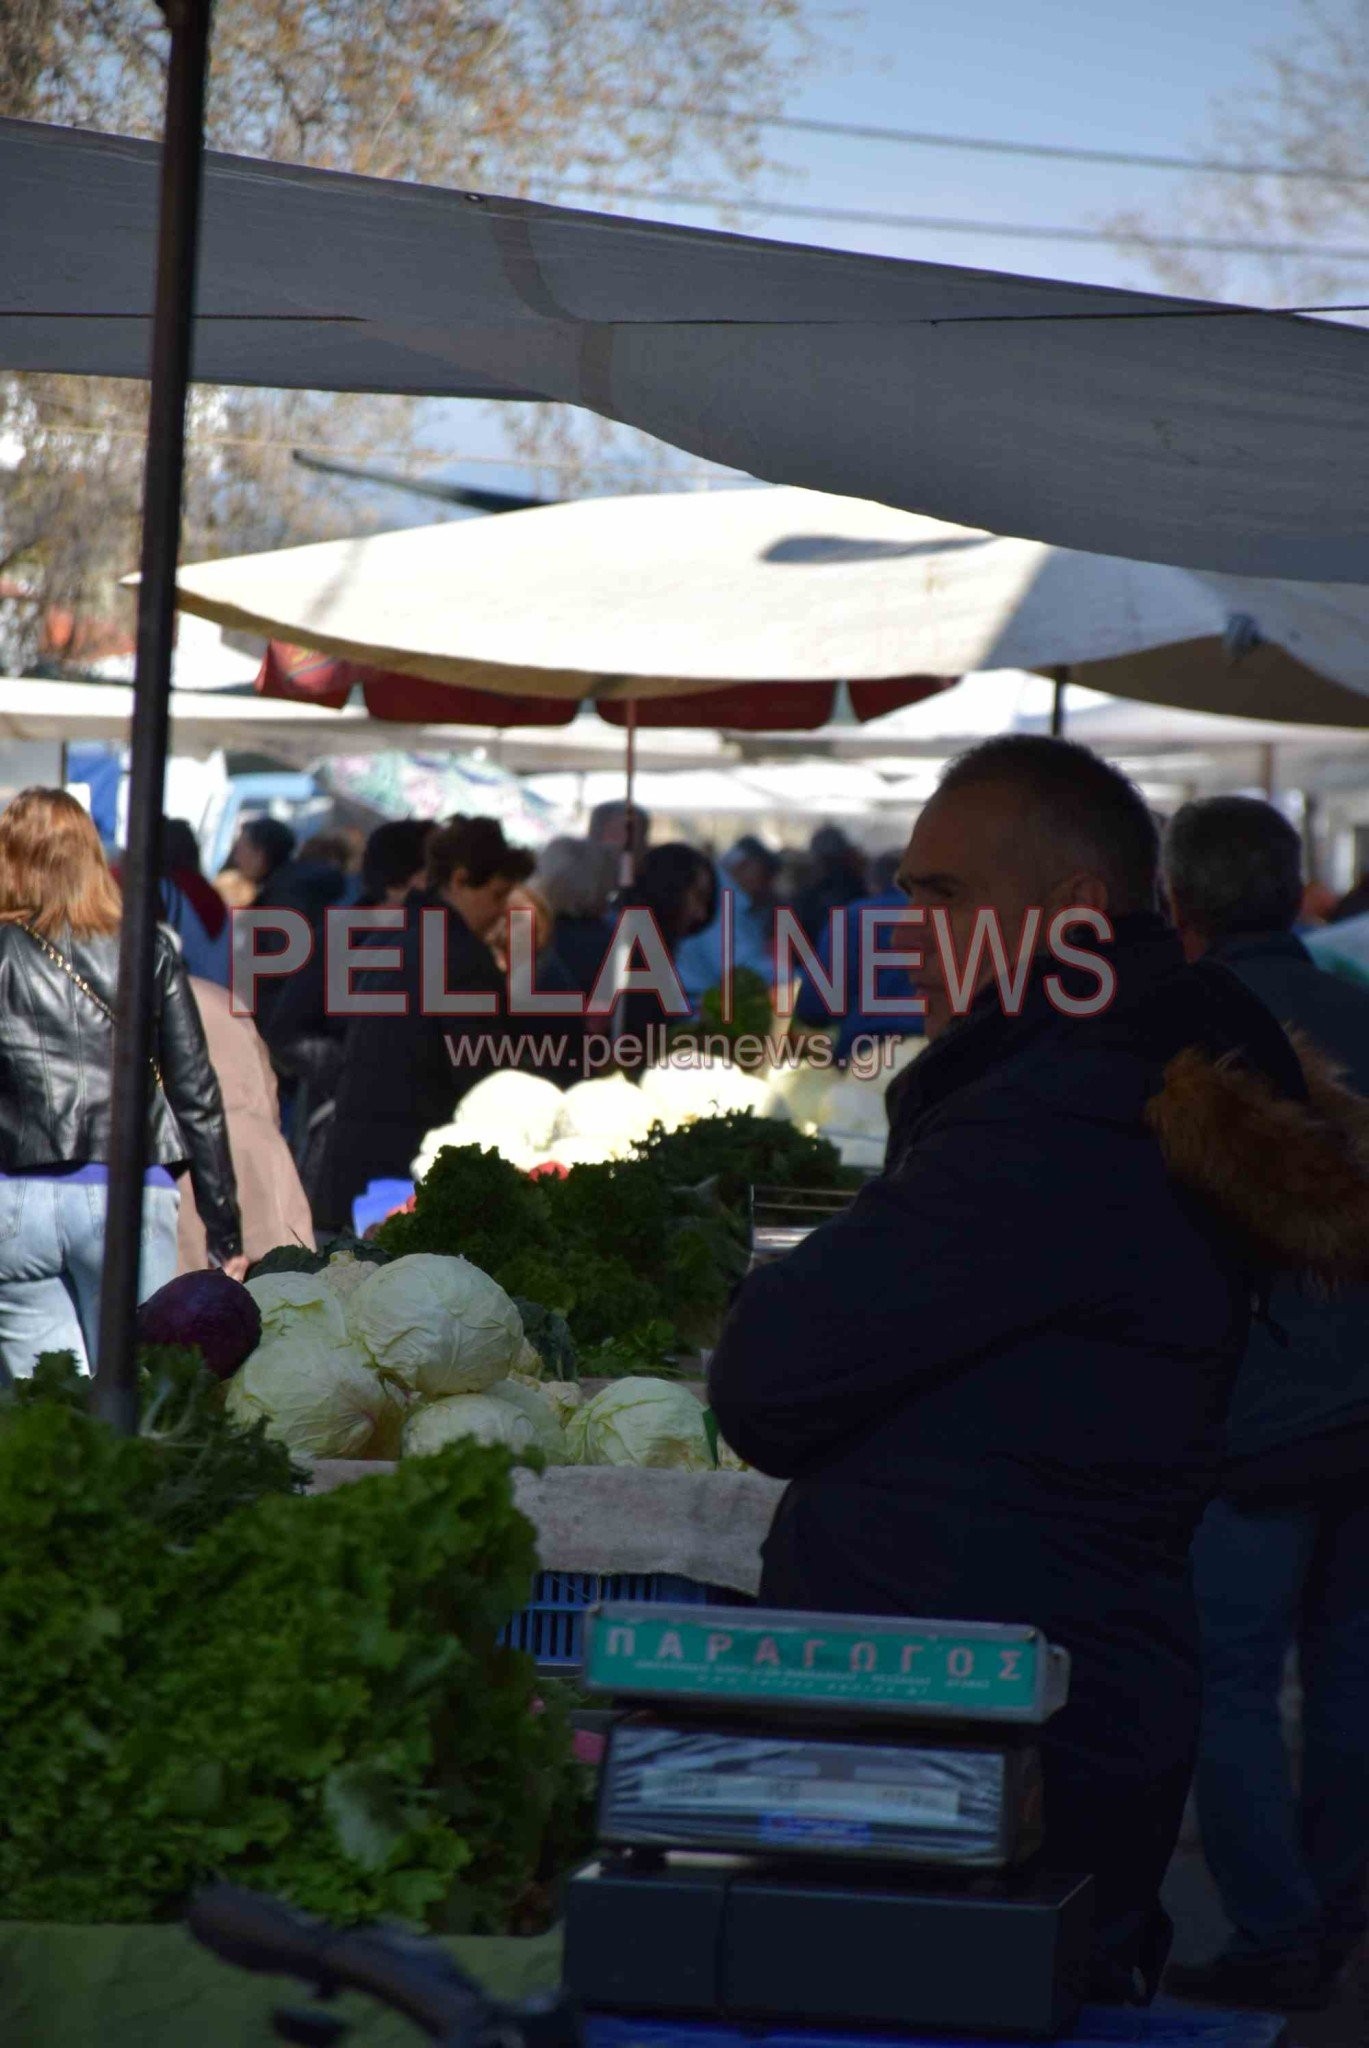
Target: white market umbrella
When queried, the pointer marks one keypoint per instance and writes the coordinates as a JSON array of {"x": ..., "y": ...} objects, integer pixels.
[
  {"x": 645, "y": 597},
  {"x": 1145, "y": 426}
]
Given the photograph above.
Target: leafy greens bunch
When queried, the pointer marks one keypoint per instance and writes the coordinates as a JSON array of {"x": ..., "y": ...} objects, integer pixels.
[
  {"x": 639, "y": 1255},
  {"x": 203, "y": 1673}
]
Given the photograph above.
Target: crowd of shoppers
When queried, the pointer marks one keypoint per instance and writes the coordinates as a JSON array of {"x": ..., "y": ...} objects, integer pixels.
[{"x": 1167, "y": 1484}]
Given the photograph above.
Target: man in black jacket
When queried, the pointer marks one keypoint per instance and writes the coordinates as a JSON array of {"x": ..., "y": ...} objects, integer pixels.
[
  {"x": 996, "y": 1381},
  {"x": 1282, "y": 1556}
]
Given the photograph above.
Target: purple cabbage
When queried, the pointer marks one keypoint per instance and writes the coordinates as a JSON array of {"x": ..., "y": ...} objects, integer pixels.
[{"x": 217, "y": 1315}]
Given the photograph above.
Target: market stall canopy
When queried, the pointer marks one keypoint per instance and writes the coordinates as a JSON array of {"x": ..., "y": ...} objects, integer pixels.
[
  {"x": 1150, "y": 427},
  {"x": 207, "y": 722},
  {"x": 744, "y": 608},
  {"x": 503, "y": 696}
]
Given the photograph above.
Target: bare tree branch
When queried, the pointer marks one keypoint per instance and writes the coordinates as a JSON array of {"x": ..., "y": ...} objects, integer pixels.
[{"x": 499, "y": 93}]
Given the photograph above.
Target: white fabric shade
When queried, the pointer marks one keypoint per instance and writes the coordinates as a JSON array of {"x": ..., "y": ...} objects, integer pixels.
[
  {"x": 652, "y": 595},
  {"x": 1135, "y": 424}
]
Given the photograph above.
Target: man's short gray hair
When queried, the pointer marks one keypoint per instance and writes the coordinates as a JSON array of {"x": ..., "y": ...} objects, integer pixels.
[
  {"x": 1233, "y": 865},
  {"x": 1083, "y": 807},
  {"x": 576, "y": 876}
]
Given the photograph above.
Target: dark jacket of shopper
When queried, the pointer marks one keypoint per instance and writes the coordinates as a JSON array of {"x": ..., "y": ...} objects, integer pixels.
[
  {"x": 580, "y": 943},
  {"x": 56, "y": 1058},
  {"x": 997, "y": 1381},
  {"x": 402, "y": 1076},
  {"x": 1300, "y": 1414}
]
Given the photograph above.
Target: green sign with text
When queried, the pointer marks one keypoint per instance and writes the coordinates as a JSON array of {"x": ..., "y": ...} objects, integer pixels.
[{"x": 959, "y": 1671}]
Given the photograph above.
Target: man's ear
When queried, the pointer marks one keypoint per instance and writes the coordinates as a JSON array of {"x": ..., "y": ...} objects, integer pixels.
[{"x": 1081, "y": 891}]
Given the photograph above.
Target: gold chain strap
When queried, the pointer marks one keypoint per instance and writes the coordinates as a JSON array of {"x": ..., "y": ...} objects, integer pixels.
[{"x": 60, "y": 960}]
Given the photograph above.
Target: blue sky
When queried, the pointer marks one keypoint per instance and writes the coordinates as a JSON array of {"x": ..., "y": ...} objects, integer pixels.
[
  {"x": 1111, "y": 76},
  {"x": 1114, "y": 76}
]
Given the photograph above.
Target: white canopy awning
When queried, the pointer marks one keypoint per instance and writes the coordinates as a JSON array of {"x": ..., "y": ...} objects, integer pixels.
[
  {"x": 649, "y": 596},
  {"x": 1129, "y": 423}
]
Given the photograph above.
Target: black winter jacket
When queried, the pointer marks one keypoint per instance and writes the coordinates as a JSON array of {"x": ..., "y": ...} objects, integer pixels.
[
  {"x": 1300, "y": 1413},
  {"x": 55, "y": 1068},
  {"x": 997, "y": 1380},
  {"x": 402, "y": 1076}
]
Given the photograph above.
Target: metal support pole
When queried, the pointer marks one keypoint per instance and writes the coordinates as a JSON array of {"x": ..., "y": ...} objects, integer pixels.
[
  {"x": 115, "y": 1389},
  {"x": 628, "y": 872},
  {"x": 1311, "y": 838},
  {"x": 627, "y": 859},
  {"x": 1269, "y": 771},
  {"x": 1060, "y": 677}
]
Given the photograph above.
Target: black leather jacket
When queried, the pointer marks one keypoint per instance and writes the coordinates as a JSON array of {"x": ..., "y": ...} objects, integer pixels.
[{"x": 55, "y": 1059}]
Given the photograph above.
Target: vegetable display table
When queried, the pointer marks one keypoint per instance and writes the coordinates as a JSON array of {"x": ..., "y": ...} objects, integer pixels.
[
  {"x": 608, "y": 1519},
  {"x": 153, "y": 1987}
]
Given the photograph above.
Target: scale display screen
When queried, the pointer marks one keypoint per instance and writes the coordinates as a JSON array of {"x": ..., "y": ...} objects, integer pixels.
[
  {"x": 946, "y": 1670},
  {"x": 776, "y": 1795}
]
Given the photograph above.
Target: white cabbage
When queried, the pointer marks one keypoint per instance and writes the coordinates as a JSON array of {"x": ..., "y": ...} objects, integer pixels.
[
  {"x": 389, "y": 1431},
  {"x": 345, "y": 1272},
  {"x": 510, "y": 1113},
  {"x": 438, "y": 1324},
  {"x": 640, "y": 1421},
  {"x": 611, "y": 1111},
  {"x": 507, "y": 1144},
  {"x": 523, "y": 1104},
  {"x": 482, "y": 1416},
  {"x": 561, "y": 1396},
  {"x": 540, "y": 1413},
  {"x": 565, "y": 1397},
  {"x": 679, "y": 1095},
  {"x": 318, "y": 1396},
  {"x": 528, "y": 1364},
  {"x": 299, "y": 1303},
  {"x": 800, "y": 1093}
]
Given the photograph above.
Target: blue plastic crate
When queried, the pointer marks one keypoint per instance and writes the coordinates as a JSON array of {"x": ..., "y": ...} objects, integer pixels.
[
  {"x": 551, "y": 1627},
  {"x": 376, "y": 1203}
]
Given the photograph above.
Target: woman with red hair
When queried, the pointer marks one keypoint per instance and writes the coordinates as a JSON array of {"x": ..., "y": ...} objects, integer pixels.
[{"x": 59, "y": 963}]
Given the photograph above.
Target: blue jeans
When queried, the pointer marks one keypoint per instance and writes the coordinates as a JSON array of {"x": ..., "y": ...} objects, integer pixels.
[
  {"x": 52, "y": 1240},
  {"x": 1291, "y": 1864}
]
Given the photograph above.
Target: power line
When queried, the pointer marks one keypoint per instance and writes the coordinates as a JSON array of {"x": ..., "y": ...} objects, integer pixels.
[
  {"x": 1212, "y": 245},
  {"x": 859, "y": 131}
]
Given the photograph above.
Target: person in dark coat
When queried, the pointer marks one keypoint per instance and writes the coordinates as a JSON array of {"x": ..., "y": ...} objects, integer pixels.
[
  {"x": 1282, "y": 1556},
  {"x": 402, "y": 1076},
  {"x": 675, "y": 882},
  {"x": 264, "y": 854},
  {"x": 303, "y": 1034},
  {"x": 996, "y": 1381},
  {"x": 836, "y": 878}
]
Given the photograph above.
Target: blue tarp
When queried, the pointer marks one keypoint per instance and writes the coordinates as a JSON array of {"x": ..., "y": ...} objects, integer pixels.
[{"x": 1101, "y": 2026}]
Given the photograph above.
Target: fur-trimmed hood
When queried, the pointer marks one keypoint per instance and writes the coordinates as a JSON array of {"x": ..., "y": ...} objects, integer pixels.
[
  {"x": 1251, "y": 1117},
  {"x": 1289, "y": 1176}
]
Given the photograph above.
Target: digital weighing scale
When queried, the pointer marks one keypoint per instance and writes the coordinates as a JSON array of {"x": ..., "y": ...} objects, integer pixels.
[{"x": 825, "y": 1819}]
